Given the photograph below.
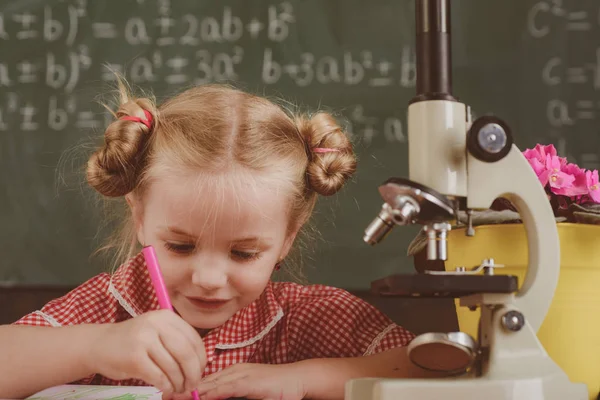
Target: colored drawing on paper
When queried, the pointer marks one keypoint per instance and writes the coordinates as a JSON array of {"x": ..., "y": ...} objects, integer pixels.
[{"x": 89, "y": 392}]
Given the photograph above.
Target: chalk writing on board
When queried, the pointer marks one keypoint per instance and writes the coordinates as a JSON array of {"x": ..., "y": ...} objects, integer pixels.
[
  {"x": 31, "y": 26},
  {"x": 228, "y": 28},
  {"x": 349, "y": 69},
  {"x": 542, "y": 13},
  {"x": 62, "y": 72},
  {"x": 561, "y": 114},
  {"x": 172, "y": 48},
  {"x": 558, "y": 71},
  {"x": 61, "y": 113},
  {"x": 171, "y": 52},
  {"x": 197, "y": 30},
  {"x": 367, "y": 128}
]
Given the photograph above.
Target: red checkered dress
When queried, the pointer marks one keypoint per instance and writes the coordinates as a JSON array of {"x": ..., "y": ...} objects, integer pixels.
[{"x": 288, "y": 323}]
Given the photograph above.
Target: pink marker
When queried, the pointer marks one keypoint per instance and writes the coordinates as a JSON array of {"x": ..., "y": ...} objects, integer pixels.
[{"x": 159, "y": 286}]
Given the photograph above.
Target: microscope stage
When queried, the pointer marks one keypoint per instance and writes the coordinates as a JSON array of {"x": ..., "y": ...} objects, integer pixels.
[{"x": 425, "y": 285}]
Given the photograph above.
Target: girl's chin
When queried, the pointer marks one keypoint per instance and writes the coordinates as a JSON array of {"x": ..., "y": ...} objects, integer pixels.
[
  {"x": 203, "y": 326},
  {"x": 204, "y": 322}
]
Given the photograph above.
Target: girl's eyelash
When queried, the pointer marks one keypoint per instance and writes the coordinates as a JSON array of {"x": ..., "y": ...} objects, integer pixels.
[
  {"x": 246, "y": 255},
  {"x": 187, "y": 248},
  {"x": 180, "y": 248}
]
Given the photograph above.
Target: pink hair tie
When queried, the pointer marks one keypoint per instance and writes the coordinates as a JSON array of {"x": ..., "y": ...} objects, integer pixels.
[
  {"x": 148, "y": 121},
  {"x": 324, "y": 150}
]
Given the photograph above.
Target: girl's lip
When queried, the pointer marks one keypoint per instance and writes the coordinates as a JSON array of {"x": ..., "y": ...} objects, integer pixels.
[
  {"x": 209, "y": 299},
  {"x": 207, "y": 303}
]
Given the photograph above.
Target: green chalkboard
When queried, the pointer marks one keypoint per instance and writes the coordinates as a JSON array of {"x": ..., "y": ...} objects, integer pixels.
[{"x": 534, "y": 63}]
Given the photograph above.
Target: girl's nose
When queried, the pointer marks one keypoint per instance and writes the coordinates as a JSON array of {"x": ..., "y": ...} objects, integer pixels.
[{"x": 209, "y": 277}]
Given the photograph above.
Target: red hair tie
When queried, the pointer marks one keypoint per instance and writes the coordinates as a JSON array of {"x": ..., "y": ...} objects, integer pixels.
[{"x": 148, "y": 121}]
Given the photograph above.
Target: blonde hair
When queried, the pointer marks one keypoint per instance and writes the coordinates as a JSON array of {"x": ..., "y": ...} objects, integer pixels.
[{"x": 210, "y": 128}]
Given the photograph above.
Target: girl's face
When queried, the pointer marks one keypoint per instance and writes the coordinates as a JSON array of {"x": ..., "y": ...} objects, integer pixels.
[{"x": 216, "y": 246}]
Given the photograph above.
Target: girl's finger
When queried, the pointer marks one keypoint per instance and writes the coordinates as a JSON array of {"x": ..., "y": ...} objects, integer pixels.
[
  {"x": 193, "y": 338},
  {"x": 207, "y": 384},
  {"x": 187, "y": 359},
  {"x": 150, "y": 372},
  {"x": 168, "y": 365}
]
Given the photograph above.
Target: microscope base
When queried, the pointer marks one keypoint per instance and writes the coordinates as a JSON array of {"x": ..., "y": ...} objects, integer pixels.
[
  {"x": 543, "y": 388},
  {"x": 549, "y": 387}
]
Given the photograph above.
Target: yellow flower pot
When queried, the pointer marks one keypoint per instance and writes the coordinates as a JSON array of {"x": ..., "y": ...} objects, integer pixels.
[{"x": 571, "y": 331}]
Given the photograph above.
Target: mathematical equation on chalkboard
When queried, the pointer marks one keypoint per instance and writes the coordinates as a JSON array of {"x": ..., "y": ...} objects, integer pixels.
[
  {"x": 66, "y": 27},
  {"x": 558, "y": 71},
  {"x": 172, "y": 46},
  {"x": 203, "y": 66},
  {"x": 61, "y": 114}
]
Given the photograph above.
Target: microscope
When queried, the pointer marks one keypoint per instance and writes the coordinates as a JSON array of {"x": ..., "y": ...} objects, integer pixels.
[{"x": 457, "y": 164}]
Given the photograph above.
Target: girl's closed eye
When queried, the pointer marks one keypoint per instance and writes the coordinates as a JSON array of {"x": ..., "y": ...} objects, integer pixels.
[
  {"x": 180, "y": 248},
  {"x": 245, "y": 255}
]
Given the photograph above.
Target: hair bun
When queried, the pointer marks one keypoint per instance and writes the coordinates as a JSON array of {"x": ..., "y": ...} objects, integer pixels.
[
  {"x": 113, "y": 169},
  {"x": 333, "y": 161}
]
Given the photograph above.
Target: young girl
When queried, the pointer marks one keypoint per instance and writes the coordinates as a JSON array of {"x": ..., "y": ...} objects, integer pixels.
[{"x": 220, "y": 182}]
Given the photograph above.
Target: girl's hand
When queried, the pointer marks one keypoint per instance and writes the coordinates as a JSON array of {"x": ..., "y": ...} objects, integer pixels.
[
  {"x": 157, "y": 347},
  {"x": 254, "y": 381}
]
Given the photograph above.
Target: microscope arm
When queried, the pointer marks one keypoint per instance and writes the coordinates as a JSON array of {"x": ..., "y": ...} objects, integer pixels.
[{"x": 513, "y": 178}]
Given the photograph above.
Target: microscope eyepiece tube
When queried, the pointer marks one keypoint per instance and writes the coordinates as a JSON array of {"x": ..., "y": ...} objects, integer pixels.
[
  {"x": 433, "y": 16},
  {"x": 434, "y": 64}
]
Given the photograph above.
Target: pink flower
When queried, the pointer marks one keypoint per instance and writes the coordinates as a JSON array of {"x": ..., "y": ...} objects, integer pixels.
[
  {"x": 537, "y": 165},
  {"x": 564, "y": 183},
  {"x": 537, "y": 158},
  {"x": 553, "y": 174},
  {"x": 579, "y": 186},
  {"x": 546, "y": 150},
  {"x": 593, "y": 185}
]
